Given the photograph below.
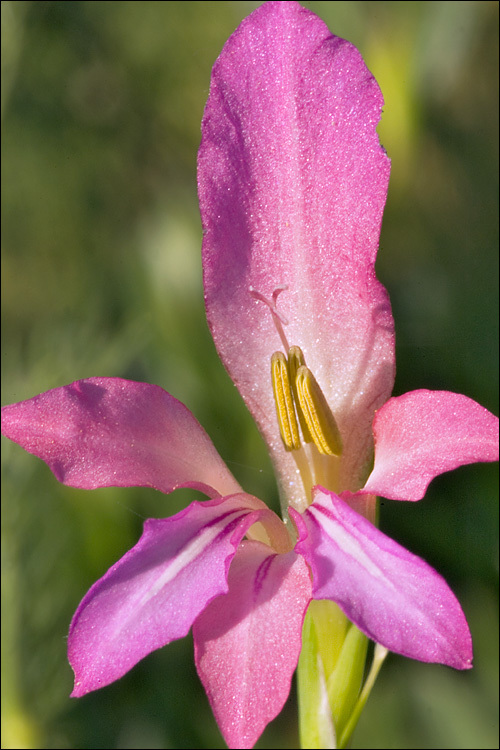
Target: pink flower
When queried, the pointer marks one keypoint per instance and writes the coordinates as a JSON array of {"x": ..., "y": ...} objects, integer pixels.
[{"x": 292, "y": 185}]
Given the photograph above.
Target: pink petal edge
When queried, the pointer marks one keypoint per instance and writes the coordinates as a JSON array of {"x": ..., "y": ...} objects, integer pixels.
[
  {"x": 103, "y": 432},
  {"x": 425, "y": 433}
]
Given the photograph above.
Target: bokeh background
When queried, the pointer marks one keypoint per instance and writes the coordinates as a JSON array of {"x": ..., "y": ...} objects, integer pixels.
[{"x": 101, "y": 275}]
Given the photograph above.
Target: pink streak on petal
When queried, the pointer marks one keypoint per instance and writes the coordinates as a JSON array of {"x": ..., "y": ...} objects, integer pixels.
[
  {"x": 425, "y": 433},
  {"x": 247, "y": 642},
  {"x": 103, "y": 432},
  {"x": 393, "y": 596},
  {"x": 154, "y": 593},
  {"x": 292, "y": 184}
]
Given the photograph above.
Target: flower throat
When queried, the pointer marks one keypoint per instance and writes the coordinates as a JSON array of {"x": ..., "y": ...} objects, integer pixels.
[{"x": 304, "y": 417}]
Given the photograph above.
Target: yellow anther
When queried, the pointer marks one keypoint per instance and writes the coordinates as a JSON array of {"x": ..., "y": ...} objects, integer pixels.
[
  {"x": 317, "y": 414},
  {"x": 296, "y": 360},
  {"x": 284, "y": 402}
]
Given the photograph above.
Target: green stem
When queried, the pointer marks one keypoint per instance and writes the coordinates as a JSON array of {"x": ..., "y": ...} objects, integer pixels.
[
  {"x": 378, "y": 659},
  {"x": 315, "y": 719},
  {"x": 330, "y": 676}
]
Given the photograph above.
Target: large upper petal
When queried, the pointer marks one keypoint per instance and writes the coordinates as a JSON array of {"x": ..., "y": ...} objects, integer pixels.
[
  {"x": 247, "y": 642},
  {"x": 425, "y": 433},
  {"x": 103, "y": 432},
  {"x": 292, "y": 184},
  {"x": 390, "y": 594},
  {"x": 155, "y": 592}
]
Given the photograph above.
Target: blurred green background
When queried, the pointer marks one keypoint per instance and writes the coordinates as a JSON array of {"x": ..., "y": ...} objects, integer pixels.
[{"x": 101, "y": 272}]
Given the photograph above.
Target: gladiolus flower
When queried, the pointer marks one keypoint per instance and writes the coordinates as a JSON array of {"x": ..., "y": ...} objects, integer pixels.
[{"x": 292, "y": 185}]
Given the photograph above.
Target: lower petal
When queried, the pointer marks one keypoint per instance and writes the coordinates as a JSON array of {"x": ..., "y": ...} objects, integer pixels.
[
  {"x": 155, "y": 592},
  {"x": 247, "y": 643},
  {"x": 393, "y": 596}
]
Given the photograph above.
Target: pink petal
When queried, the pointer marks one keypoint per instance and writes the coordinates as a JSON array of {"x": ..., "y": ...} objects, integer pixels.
[
  {"x": 424, "y": 433},
  {"x": 103, "y": 432},
  {"x": 390, "y": 594},
  {"x": 155, "y": 592},
  {"x": 247, "y": 643},
  {"x": 292, "y": 184}
]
